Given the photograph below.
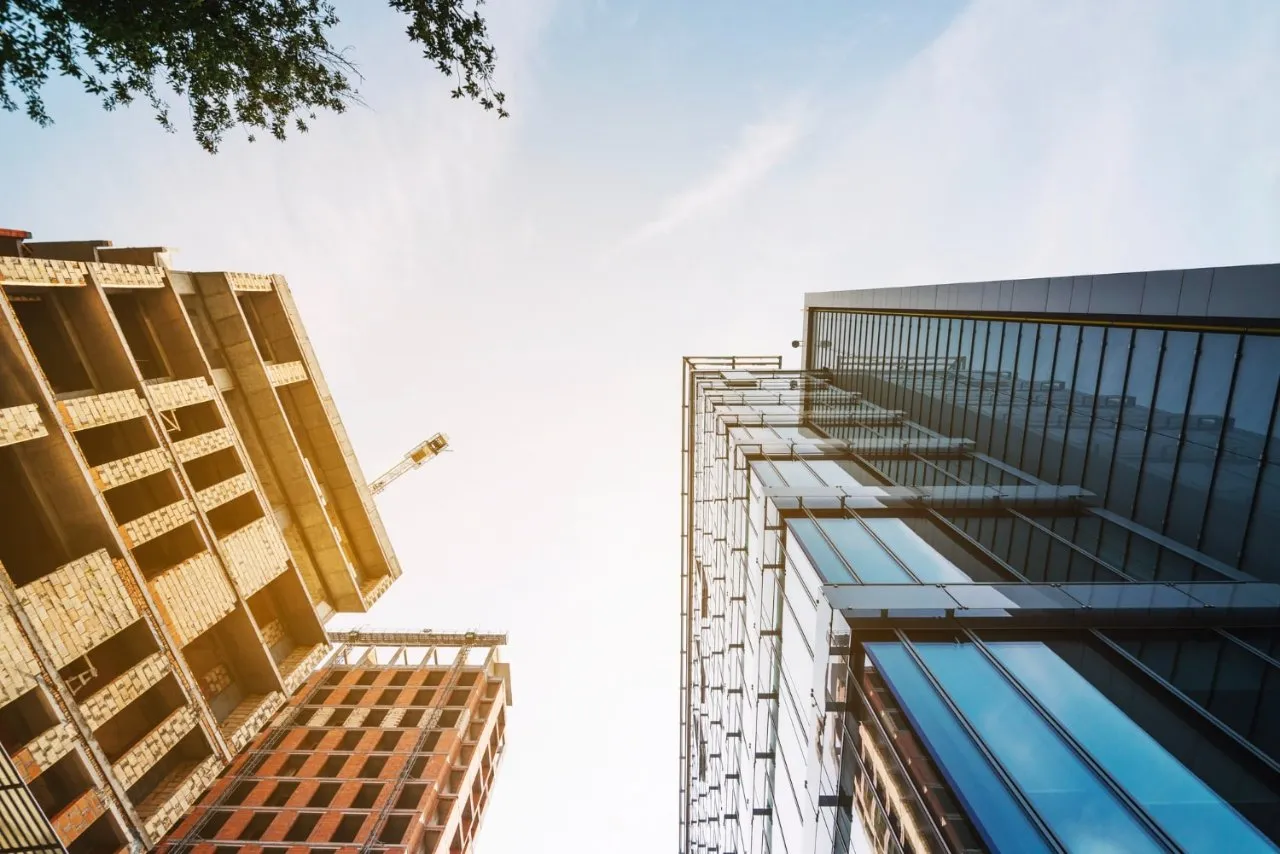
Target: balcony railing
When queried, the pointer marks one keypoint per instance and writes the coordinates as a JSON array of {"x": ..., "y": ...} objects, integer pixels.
[
  {"x": 128, "y": 469},
  {"x": 255, "y": 554},
  {"x": 104, "y": 703},
  {"x": 21, "y": 423},
  {"x": 157, "y": 522},
  {"x": 300, "y": 663},
  {"x": 173, "y": 394},
  {"x": 80, "y": 605},
  {"x": 152, "y": 747},
  {"x": 170, "y": 800},
  {"x": 95, "y": 410},
  {"x": 193, "y": 596},
  {"x": 249, "y": 717}
]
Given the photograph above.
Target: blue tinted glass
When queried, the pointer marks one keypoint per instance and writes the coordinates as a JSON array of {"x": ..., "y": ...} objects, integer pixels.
[
  {"x": 923, "y": 560},
  {"x": 1189, "y": 811},
  {"x": 993, "y": 810},
  {"x": 824, "y": 560},
  {"x": 1074, "y": 802},
  {"x": 872, "y": 563}
]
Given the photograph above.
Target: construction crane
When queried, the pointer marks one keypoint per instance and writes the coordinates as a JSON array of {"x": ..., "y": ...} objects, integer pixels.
[{"x": 428, "y": 450}]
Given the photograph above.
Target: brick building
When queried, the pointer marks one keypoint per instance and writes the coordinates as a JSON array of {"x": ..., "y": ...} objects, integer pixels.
[
  {"x": 180, "y": 512},
  {"x": 391, "y": 746}
]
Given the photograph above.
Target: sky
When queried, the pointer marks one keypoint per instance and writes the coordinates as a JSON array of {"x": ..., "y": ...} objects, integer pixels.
[{"x": 673, "y": 178}]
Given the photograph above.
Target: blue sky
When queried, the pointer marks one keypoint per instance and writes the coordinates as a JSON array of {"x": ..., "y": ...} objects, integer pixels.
[{"x": 673, "y": 178}]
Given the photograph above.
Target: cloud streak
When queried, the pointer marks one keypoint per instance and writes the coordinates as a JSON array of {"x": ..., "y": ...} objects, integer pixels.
[{"x": 760, "y": 149}]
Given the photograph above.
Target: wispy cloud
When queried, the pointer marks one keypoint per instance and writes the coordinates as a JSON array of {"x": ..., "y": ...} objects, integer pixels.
[{"x": 761, "y": 147}]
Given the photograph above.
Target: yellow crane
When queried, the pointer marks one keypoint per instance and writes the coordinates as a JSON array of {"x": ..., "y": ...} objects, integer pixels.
[{"x": 425, "y": 452}]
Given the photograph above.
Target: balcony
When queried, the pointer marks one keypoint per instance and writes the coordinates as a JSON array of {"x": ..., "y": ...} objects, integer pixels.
[
  {"x": 250, "y": 282},
  {"x": 371, "y": 590},
  {"x": 250, "y": 716},
  {"x": 21, "y": 423},
  {"x": 175, "y": 794},
  {"x": 17, "y": 660},
  {"x": 193, "y": 596},
  {"x": 79, "y": 816},
  {"x": 143, "y": 755},
  {"x": 44, "y": 751},
  {"x": 156, "y": 523},
  {"x": 126, "y": 275},
  {"x": 174, "y": 394},
  {"x": 128, "y": 469},
  {"x": 300, "y": 664},
  {"x": 223, "y": 491},
  {"x": 80, "y": 604},
  {"x": 106, "y": 702},
  {"x": 203, "y": 444},
  {"x": 255, "y": 555},
  {"x": 46, "y": 272},
  {"x": 95, "y": 410},
  {"x": 284, "y": 373}
]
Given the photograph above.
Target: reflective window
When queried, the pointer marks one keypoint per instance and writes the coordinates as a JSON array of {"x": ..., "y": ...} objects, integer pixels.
[
  {"x": 927, "y": 564},
  {"x": 821, "y": 555},
  {"x": 871, "y": 563},
  {"x": 1165, "y": 426},
  {"x": 1188, "y": 810},
  {"x": 1073, "y": 801},
  {"x": 994, "y": 811}
]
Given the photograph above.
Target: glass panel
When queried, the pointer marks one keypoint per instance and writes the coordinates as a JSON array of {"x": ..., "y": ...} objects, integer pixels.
[
  {"x": 796, "y": 473},
  {"x": 992, "y": 808},
  {"x": 922, "y": 559},
  {"x": 1074, "y": 802},
  {"x": 1111, "y": 402},
  {"x": 1173, "y": 388},
  {"x": 871, "y": 563},
  {"x": 821, "y": 555},
  {"x": 1254, "y": 395},
  {"x": 1188, "y": 810},
  {"x": 766, "y": 475},
  {"x": 835, "y": 474},
  {"x": 1131, "y": 438}
]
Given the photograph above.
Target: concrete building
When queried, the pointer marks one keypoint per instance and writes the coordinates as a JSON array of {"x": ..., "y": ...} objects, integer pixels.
[
  {"x": 392, "y": 746},
  {"x": 993, "y": 571},
  {"x": 180, "y": 511}
]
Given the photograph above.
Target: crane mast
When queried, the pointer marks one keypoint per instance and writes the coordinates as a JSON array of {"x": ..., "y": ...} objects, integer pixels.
[{"x": 416, "y": 457}]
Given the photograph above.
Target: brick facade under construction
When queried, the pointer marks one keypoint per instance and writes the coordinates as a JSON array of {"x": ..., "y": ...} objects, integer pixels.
[
  {"x": 181, "y": 511},
  {"x": 389, "y": 747}
]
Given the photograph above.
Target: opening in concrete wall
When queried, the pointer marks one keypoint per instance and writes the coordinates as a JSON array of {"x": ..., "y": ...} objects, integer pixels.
[
  {"x": 169, "y": 549},
  {"x": 226, "y": 519},
  {"x": 194, "y": 420},
  {"x": 103, "y": 835},
  {"x": 367, "y": 796},
  {"x": 59, "y": 785},
  {"x": 109, "y": 659},
  {"x": 269, "y": 327},
  {"x": 132, "y": 723},
  {"x": 348, "y": 828},
  {"x": 116, "y": 441},
  {"x": 301, "y": 827},
  {"x": 281, "y": 793},
  {"x": 23, "y": 719},
  {"x": 56, "y": 347},
  {"x": 205, "y": 471},
  {"x": 137, "y": 498},
  {"x": 30, "y": 543},
  {"x": 209, "y": 342},
  {"x": 179, "y": 761},
  {"x": 140, "y": 335}
]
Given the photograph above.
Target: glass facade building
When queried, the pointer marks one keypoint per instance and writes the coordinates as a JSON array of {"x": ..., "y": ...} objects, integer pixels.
[{"x": 993, "y": 571}]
